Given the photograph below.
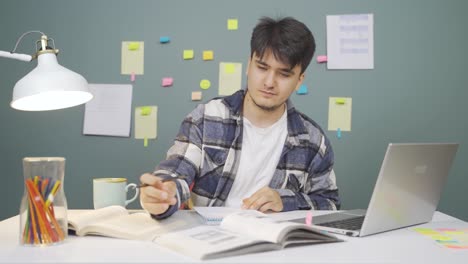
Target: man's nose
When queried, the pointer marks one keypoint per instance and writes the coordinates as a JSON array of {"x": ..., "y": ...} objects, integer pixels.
[{"x": 269, "y": 79}]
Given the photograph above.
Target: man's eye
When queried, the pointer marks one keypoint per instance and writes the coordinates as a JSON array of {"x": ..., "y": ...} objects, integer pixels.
[
  {"x": 262, "y": 67},
  {"x": 285, "y": 74}
]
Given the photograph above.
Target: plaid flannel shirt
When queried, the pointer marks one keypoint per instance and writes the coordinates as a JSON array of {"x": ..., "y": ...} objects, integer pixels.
[{"x": 208, "y": 146}]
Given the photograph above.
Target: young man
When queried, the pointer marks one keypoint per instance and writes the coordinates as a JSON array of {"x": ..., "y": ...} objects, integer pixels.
[{"x": 252, "y": 149}]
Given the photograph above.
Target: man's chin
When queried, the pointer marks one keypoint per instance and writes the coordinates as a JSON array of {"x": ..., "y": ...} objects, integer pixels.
[{"x": 267, "y": 108}]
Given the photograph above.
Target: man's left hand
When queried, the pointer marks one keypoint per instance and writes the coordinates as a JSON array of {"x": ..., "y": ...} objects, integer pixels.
[{"x": 263, "y": 200}]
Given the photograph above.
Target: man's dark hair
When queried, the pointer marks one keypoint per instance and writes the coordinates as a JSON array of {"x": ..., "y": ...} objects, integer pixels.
[{"x": 290, "y": 41}]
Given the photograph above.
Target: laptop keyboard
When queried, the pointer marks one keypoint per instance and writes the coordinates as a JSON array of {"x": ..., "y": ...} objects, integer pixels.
[{"x": 354, "y": 223}]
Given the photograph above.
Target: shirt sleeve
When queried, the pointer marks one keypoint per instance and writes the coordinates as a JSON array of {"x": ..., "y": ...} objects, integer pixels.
[{"x": 183, "y": 158}]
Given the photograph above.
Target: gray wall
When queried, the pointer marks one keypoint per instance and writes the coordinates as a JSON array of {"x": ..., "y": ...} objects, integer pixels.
[{"x": 416, "y": 93}]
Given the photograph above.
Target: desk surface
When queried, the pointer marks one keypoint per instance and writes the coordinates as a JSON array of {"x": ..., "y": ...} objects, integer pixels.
[{"x": 399, "y": 246}]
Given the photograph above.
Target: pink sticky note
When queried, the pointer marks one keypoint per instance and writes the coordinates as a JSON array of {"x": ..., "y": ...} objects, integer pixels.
[
  {"x": 132, "y": 77},
  {"x": 322, "y": 58},
  {"x": 167, "y": 81},
  {"x": 308, "y": 219}
]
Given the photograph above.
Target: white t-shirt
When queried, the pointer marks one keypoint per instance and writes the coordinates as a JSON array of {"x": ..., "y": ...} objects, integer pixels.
[{"x": 261, "y": 151}]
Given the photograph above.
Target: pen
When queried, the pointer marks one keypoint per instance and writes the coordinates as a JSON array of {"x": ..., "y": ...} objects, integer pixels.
[{"x": 164, "y": 180}]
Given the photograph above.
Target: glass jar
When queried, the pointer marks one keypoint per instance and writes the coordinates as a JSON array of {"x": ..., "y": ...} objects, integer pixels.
[{"x": 43, "y": 210}]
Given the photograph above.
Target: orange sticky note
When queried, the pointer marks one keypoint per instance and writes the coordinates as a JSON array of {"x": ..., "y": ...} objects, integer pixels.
[
  {"x": 207, "y": 55},
  {"x": 196, "y": 96}
]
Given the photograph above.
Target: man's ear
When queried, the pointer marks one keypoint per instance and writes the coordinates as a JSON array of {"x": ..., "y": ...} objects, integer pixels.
[
  {"x": 301, "y": 80},
  {"x": 247, "y": 68}
]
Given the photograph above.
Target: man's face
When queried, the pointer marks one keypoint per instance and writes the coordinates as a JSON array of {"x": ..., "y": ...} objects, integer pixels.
[{"x": 270, "y": 82}]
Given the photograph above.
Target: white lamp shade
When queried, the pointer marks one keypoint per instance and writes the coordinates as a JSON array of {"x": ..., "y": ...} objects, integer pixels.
[{"x": 49, "y": 87}]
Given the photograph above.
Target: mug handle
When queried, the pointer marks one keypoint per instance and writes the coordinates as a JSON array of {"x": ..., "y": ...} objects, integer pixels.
[{"x": 137, "y": 191}]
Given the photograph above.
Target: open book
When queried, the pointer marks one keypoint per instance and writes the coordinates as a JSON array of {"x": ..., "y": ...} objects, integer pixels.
[
  {"x": 241, "y": 233},
  {"x": 118, "y": 222}
]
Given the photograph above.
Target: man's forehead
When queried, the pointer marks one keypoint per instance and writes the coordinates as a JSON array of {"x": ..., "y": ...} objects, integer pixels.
[{"x": 268, "y": 54}]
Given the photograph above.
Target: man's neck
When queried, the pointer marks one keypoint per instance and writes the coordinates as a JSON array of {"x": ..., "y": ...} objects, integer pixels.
[{"x": 259, "y": 117}]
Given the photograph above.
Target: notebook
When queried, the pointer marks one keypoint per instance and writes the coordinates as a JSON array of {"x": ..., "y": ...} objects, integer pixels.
[
  {"x": 215, "y": 214},
  {"x": 406, "y": 193}
]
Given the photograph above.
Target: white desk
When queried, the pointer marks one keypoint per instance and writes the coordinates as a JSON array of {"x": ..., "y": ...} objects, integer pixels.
[{"x": 400, "y": 246}]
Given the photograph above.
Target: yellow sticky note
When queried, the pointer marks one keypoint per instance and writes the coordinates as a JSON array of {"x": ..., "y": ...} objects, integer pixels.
[
  {"x": 207, "y": 55},
  {"x": 133, "y": 46},
  {"x": 426, "y": 231},
  {"x": 229, "y": 68},
  {"x": 188, "y": 54},
  {"x": 196, "y": 96},
  {"x": 339, "y": 115},
  {"x": 232, "y": 24},
  {"x": 132, "y": 55},
  {"x": 145, "y": 143},
  {"x": 205, "y": 84},
  {"x": 340, "y": 100},
  {"x": 230, "y": 78}
]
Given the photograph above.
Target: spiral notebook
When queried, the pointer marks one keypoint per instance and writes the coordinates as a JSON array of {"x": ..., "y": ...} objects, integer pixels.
[{"x": 214, "y": 215}]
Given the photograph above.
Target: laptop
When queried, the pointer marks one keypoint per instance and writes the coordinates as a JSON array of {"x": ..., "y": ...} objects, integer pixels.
[{"x": 406, "y": 193}]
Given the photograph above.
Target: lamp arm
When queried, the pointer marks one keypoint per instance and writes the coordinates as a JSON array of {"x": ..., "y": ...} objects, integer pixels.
[{"x": 17, "y": 56}]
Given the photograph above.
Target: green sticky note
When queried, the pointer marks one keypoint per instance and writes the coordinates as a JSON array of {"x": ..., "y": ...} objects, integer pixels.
[
  {"x": 133, "y": 46},
  {"x": 205, "y": 84},
  {"x": 340, "y": 101},
  {"x": 145, "y": 110},
  {"x": 232, "y": 24},
  {"x": 188, "y": 54}
]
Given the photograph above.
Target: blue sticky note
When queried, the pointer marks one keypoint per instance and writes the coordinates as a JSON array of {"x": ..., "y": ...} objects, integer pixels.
[
  {"x": 164, "y": 39},
  {"x": 302, "y": 89},
  {"x": 338, "y": 133}
]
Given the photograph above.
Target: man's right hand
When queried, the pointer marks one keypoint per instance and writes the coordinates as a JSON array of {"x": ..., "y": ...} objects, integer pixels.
[{"x": 157, "y": 196}]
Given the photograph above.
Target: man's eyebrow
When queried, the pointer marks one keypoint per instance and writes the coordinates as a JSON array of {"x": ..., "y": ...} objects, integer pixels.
[
  {"x": 284, "y": 70},
  {"x": 261, "y": 62}
]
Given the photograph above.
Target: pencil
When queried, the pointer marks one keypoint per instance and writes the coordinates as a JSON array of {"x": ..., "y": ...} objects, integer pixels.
[{"x": 164, "y": 180}]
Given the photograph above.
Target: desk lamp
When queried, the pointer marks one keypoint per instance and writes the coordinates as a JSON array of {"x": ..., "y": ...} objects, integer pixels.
[{"x": 49, "y": 86}]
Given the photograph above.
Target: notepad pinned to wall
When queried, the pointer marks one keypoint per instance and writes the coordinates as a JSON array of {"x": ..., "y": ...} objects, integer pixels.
[{"x": 146, "y": 123}]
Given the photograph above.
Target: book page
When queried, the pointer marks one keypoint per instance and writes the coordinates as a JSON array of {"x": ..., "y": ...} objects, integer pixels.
[
  {"x": 140, "y": 225},
  {"x": 206, "y": 242},
  {"x": 266, "y": 228},
  {"x": 262, "y": 226},
  {"x": 79, "y": 219}
]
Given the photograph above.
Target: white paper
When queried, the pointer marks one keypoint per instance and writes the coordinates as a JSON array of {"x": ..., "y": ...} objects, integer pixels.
[
  {"x": 350, "y": 41},
  {"x": 109, "y": 112}
]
